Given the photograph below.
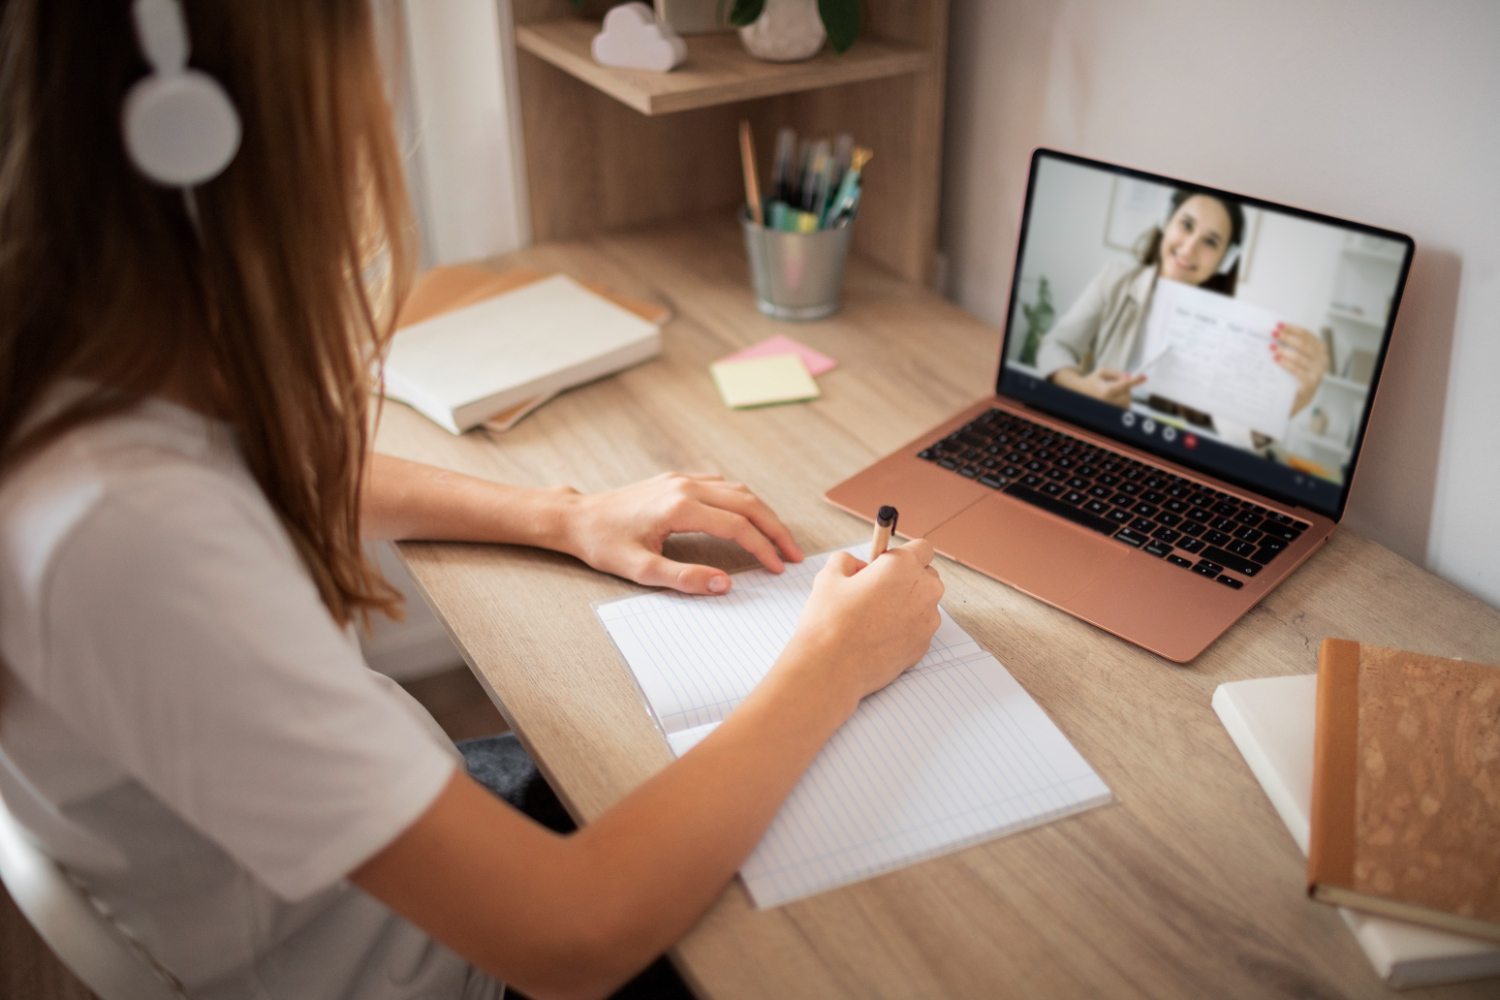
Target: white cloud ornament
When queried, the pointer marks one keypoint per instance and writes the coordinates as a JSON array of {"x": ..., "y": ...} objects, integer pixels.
[{"x": 634, "y": 39}]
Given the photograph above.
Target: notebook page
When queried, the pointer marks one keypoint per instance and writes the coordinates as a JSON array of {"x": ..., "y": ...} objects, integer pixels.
[
  {"x": 941, "y": 759},
  {"x": 696, "y": 658},
  {"x": 952, "y": 753}
]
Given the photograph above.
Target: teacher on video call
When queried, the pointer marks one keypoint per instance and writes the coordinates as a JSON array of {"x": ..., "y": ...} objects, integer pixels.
[{"x": 1099, "y": 340}]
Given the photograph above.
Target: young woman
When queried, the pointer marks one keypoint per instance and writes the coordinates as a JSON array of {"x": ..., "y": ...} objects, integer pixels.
[
  {"x": 1099, "y": 340},
  {"x": 185, "y": 487}
]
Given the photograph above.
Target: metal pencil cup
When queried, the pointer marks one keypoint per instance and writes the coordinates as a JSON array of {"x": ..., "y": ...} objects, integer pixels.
[{"x": 796, "y": 276}]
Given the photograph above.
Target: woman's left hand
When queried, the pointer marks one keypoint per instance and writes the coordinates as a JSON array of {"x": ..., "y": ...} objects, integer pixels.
[
  {"x": 1305, "y": 355},
  {"x": 622, "y": 531}
]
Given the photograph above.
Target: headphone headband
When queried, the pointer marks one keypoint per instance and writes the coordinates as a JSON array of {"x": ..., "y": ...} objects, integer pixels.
[{"x": 162, "y": 34}]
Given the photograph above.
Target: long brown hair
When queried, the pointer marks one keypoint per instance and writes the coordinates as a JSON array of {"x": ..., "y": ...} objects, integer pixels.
[{"x": 267, "y": 319}]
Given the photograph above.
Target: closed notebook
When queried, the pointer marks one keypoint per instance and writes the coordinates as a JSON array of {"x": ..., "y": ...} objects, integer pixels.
[
  {"x": 465, "y": 365},
  {"x": 1272, "y": 721},
  {"x": 1406, "y": 787}
]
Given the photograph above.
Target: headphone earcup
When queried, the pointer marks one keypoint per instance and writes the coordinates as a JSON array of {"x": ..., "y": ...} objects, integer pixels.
[
  {"x": 180, "y": 128},
  {"x": 1230, "y": 257}
]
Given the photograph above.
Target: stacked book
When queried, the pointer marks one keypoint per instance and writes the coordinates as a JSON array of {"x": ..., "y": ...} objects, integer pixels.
[
  {"x": 479, "y": 347},
  {"x": 1385, "y": 767}
]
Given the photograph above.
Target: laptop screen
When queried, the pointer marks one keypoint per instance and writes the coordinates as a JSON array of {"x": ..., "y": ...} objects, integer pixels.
[{"x": 1225, "y": 333}]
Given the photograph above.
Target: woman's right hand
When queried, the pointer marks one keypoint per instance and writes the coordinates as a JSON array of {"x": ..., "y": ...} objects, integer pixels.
[
  {"x": 1111, "y": 386},
  {"x": 866, "y": 623}
]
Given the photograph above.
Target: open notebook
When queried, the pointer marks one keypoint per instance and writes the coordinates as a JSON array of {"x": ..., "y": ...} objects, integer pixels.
[{"x": 953, "y": 753}]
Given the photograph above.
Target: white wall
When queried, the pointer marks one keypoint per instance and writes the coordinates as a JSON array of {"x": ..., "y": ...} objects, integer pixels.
[
  {"x": 1290, "y": 269},
  {"x": 1382, "y": 111},
  {"x": 467, "y": 159}
]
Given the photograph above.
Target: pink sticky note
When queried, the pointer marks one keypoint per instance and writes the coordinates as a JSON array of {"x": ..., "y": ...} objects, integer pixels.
[{"x": 816, "y": 363}]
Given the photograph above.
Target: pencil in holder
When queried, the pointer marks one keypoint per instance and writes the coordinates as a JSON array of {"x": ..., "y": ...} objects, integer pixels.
[{"x": 796, "y": 276}]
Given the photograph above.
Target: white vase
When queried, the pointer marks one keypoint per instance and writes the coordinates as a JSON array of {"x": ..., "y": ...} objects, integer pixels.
[{"x": 786, "y": 31}]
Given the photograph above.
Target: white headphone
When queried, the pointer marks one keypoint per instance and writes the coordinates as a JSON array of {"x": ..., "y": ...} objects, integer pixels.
[
  {"x": 181, "y": 128},
  {"x": 1230, "y": 256}
]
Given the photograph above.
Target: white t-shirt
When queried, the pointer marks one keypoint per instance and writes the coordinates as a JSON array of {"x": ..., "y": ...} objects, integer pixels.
[{"x": 186, "y": 730}]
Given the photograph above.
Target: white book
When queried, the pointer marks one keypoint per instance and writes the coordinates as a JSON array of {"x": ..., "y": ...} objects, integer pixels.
[
  {"x": 952, "y": 753},
  {"x": 1272, "y": 721},
  {"x": 463, "y": 367}
]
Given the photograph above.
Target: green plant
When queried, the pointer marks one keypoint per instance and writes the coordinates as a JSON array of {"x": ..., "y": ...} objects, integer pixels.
[
  {"x": 1039, "y": 319},
  {"x": 840, "y": 19}
]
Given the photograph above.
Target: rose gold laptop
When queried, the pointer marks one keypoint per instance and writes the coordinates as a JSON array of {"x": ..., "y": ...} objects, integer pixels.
[{"x": 1183, "y": 389}]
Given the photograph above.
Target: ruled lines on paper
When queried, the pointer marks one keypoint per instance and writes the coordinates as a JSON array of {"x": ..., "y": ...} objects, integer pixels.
[{"x": 953, "y": 752}]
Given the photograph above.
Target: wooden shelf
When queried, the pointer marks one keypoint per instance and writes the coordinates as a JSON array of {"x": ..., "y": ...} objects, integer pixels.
[
  {"x": 1371, "y": 255},
  {"x": 609, "y": 150},
  {"x": 1326, "y": 443},
  {"x": 1339, "y": 382},
  {"x": 1349, "y": 317},
  {"x": 717, "y": 70}
]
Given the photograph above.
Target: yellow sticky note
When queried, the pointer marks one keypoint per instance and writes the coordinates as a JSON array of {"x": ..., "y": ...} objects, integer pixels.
[{"x": 782, "y": 378}]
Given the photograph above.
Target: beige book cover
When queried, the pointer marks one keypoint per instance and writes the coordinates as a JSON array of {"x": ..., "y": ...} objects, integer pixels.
[{"x": 446, "y": 290}]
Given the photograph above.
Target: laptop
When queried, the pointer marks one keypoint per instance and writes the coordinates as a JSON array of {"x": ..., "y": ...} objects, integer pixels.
[{"x": 1183, "y": 389}]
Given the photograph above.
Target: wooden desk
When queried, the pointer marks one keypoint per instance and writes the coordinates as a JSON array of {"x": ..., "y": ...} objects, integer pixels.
[{"x": 1188, "y": 887}]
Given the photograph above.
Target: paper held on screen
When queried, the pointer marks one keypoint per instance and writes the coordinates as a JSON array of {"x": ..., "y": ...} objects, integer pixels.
[
  {"x": 952, "y": 753},
  {"x": 1212, "y": 353}
]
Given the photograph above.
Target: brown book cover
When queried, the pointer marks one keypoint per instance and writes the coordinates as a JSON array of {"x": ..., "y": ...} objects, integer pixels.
[
  {"x": 444, "y": 289},
  {"x": 1406, "y": 787}
]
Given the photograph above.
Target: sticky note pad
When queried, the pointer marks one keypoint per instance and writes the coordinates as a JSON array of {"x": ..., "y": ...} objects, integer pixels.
[
  {"x": 782, "y": 378},
  {"x": 816, "y": 363}
]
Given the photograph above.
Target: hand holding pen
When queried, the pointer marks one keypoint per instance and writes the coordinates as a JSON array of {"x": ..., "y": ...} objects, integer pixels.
[{"x": 873, "y": 620}]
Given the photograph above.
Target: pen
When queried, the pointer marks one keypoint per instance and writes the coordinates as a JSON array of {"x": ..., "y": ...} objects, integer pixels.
[
  {"x": 786, "y": 151},
  {"x": 823, "y": 188},
  {"x": 841, "y": 209},
  {"x": 885, "y": 523},
  {"x": 843, "y": 152},
  {"x": 816, "y": 165},
  {"x": 752, "y": 185}
]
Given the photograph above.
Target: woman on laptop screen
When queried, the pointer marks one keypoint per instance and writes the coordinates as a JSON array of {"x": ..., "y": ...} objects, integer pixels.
[{"x": 1100, "y": 346}]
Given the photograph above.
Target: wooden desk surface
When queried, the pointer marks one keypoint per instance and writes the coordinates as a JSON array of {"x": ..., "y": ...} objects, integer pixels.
[{"x": 1189, "y": 886}]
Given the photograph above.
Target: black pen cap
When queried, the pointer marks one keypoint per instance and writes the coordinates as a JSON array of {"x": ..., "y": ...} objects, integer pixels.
[{"x": 886, "y": 518}]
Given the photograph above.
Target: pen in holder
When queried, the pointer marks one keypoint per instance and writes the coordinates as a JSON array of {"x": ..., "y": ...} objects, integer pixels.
[
  {"x": 798, "y": 241},
  {"x": 796, "y": 276}
]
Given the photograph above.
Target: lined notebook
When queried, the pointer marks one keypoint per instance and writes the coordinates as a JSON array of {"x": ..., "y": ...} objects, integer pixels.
[{"x": 952, "y": 753}]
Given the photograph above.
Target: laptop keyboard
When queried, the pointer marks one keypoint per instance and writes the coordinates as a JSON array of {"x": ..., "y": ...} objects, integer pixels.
[{"x": 1205, "y": 531}]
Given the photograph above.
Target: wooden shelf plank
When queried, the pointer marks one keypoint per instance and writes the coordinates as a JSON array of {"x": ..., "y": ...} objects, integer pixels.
[
  {"x": 1360, "y": 318},
  {"x": 717, "y": 70}
]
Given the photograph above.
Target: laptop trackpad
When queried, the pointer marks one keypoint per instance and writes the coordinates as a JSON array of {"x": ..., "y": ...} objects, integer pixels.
[{"x": 1029, "y": 549}]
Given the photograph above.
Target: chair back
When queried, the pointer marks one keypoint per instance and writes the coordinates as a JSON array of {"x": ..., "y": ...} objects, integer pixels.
[{"x": 88, "y": 944}]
